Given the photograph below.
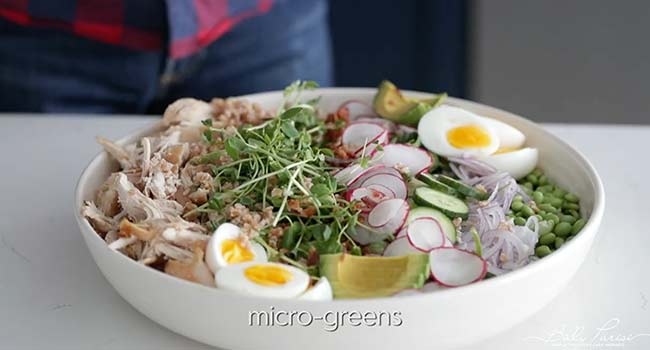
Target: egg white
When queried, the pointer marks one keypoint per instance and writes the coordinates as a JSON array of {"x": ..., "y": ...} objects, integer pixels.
[
  {"x": 213, "y": 255},
  {"x": 509, "y": 136},
  {"x": 322, "y": 290},
  {"x": 517, "y": 163},
  {"x": 435, "y": 124},
  {"x": 232, "y": 278}
]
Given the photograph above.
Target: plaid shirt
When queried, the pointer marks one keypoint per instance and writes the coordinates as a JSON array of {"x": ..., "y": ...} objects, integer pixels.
[{"x": 189, "y": 25}]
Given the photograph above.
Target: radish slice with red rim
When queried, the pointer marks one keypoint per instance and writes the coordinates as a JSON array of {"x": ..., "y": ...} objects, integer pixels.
[
  {"x": 431, "y": 287},
  {"x": 452, "y": 267},
  {"x": 357, "y": 108},
  {"x": 384, "y": 123},
  {"x": 369, "y": 196},
  {"x": 364, "y": 235},
  {"x": 402, "y": 233},
  {"x": 387, "y": 192},
  {"x": 414, "y": 158},
  {"x": 396, "y": 184},
  {"x": 359, "y": 136},
  {"x": 425, "y": 234},
  {"x": 399, "y": 247},
  {"x": 353, "y": 172},
  {"x": 377, "y": 169},
  {"x": 389, "y": 216}
]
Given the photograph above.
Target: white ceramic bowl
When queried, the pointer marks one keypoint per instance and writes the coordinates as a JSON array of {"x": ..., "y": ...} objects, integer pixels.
[{"x": 441, "y": 319}]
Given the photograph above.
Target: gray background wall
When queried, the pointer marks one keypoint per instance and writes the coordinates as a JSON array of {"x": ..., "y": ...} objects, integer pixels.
[{"x": 563, "y": 61}]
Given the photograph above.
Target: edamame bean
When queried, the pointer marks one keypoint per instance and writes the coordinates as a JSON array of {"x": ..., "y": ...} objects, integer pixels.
[
  {"x": 547, "y": 208},
  {"x": 547, "y": 239},
  {"x": 528, "y": 185},
  {"x": 532, "y": 178},
  {"x": 558, "y": 192},
  {"x": 517, "y": 198},
  {"x": 556, "y": 202},
  {"x": 542, "y": 251},
  {"x": 577, "y": 226},
  {"x": 546, "y": 188},
  {"x": 537, "y": 172},
  {"x": 545, "y": 227},
  {"x": 568, "y": 205},
  {"x": 517, "y": 205},
  {"x": 568, "y": 218},
  {"x": 527, "y": 211},
  {"x": 543, "y": 180},
  {"x": 562, "y": 229},
  {"x": 558, "y": 242},
  {"x": 574, "y": 213},
  {"x": 541, "y": 213},
  {"x": 519, "y": 221},
  {"x": 554, "y": 218},
  {"x": 570, "y": 197},
  {"x": 538, "y": 197}
]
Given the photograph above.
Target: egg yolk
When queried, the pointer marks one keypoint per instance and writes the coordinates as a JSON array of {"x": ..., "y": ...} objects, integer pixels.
[
  {"x": 468, "y": 136},
  {"x": 268, "y": 275},
  {"x": 234, "y": 252}
]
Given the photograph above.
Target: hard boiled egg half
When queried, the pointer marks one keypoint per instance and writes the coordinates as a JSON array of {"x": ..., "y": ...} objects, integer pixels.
[
  {"x": 268, "y": 279},
  {"x": 226, "y": 247},
  {"x": 453, "y": 132}
]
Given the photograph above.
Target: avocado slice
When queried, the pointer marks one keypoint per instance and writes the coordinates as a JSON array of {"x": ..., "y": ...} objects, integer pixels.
[
  {"x": 391, "y": 104},
  {"x": 353, "y": 276}
]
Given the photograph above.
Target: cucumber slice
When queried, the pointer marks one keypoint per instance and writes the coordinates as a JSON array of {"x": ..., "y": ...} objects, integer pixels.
[
  {"x": 437, "y": 185},
  {"x": 468, "y": 191},
  {"x": 445, "y": 222},
  {"x": 449, "y": 205}
]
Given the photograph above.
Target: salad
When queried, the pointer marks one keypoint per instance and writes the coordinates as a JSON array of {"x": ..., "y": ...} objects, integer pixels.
[{"x": 401, "y": 196}]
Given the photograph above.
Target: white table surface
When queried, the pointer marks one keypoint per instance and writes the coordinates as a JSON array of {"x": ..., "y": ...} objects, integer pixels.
[{"x": 52, "y": 296}]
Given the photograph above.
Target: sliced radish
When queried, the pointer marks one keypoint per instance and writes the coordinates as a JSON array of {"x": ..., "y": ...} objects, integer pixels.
[
  {"x": 407, "y": 292},
  {"x": 396, "y": 184},
  {"x": 414, "y": 158},
  {"x": 352, "y": 172},
  {"x": 425, "y": 234},
  {"x": 400, "y": 247},
  {"x": 363, "y": 235},
  {"x": 389, "y": 216},
  {"x": 402, "y": 232},
  {"x": 356, "y": 108},
  {"x": 374, "y": 171},
  {"x": 387, "y": 192},
  {"x": 384, "y": 123},
  {"x": 360, "y": 136},
  {"x": 368, "y": 195},
  {"x": 452, "y": 267}
]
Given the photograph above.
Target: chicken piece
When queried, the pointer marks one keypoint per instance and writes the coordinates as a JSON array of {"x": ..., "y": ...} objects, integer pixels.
[
  {"x": 106, "y": 198},
  {"x": 140, "y": 207},
  {"x": 177, "y": 154},
  {"x": 117, "y": 152},
  {"x": 195, "y": 270},
  {"x": 142, "y": 231},
  {"x": 187, "y": 111},
  {"x": 99, "y": 221}
]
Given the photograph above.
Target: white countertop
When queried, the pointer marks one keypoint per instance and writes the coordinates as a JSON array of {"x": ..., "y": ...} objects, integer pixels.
[{"x": 52, "y": 296}]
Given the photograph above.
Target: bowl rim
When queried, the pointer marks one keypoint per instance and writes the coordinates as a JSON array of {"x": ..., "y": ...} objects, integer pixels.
[{"x": 591, "y": 225}]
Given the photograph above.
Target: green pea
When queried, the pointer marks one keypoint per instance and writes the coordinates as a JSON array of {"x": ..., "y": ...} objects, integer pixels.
[
  {"x": 547, "y": 239},
  {"x": 571, "y": 206},
  {"x": 556, "y": 202},
  {"x": 519, "y": 221},
  {"x": 574, "y": 213},
  {"x": 578, "y": 225},
  {"x": 538, "y": 197},
  {"x": 570, "y": 197},
  {"x": 542, "y": 251},
  {"x": 558, "y": 242},
  {"x": 533, "y": 179},
  {"x": 517, "y": 205},
  {"x": 568, "y": 218},
  {"x": 543, "y": 180},
  {"x": 554, "y": 218},
  {"x": 547, "y": 208},
  {"x": 562, "y": 229},
  {"x": 545, "y": 227},
  {"x": 527, "y": 211}
]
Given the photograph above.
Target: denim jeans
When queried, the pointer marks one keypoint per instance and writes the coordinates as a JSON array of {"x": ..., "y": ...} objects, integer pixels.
[{"x": 50, "y": 71}]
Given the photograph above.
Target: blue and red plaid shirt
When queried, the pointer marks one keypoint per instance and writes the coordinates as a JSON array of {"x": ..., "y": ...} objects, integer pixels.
[{"x": 185, "y": 26}]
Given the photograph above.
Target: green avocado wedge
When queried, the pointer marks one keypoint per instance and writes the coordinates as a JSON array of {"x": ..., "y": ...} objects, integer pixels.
[
  {"x": 392, "y": 105},
  {"x": 354, "y": 276}
]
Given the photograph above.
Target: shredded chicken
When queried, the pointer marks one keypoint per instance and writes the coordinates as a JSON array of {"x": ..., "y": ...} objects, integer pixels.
[{"x": 195, "y": 271}]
